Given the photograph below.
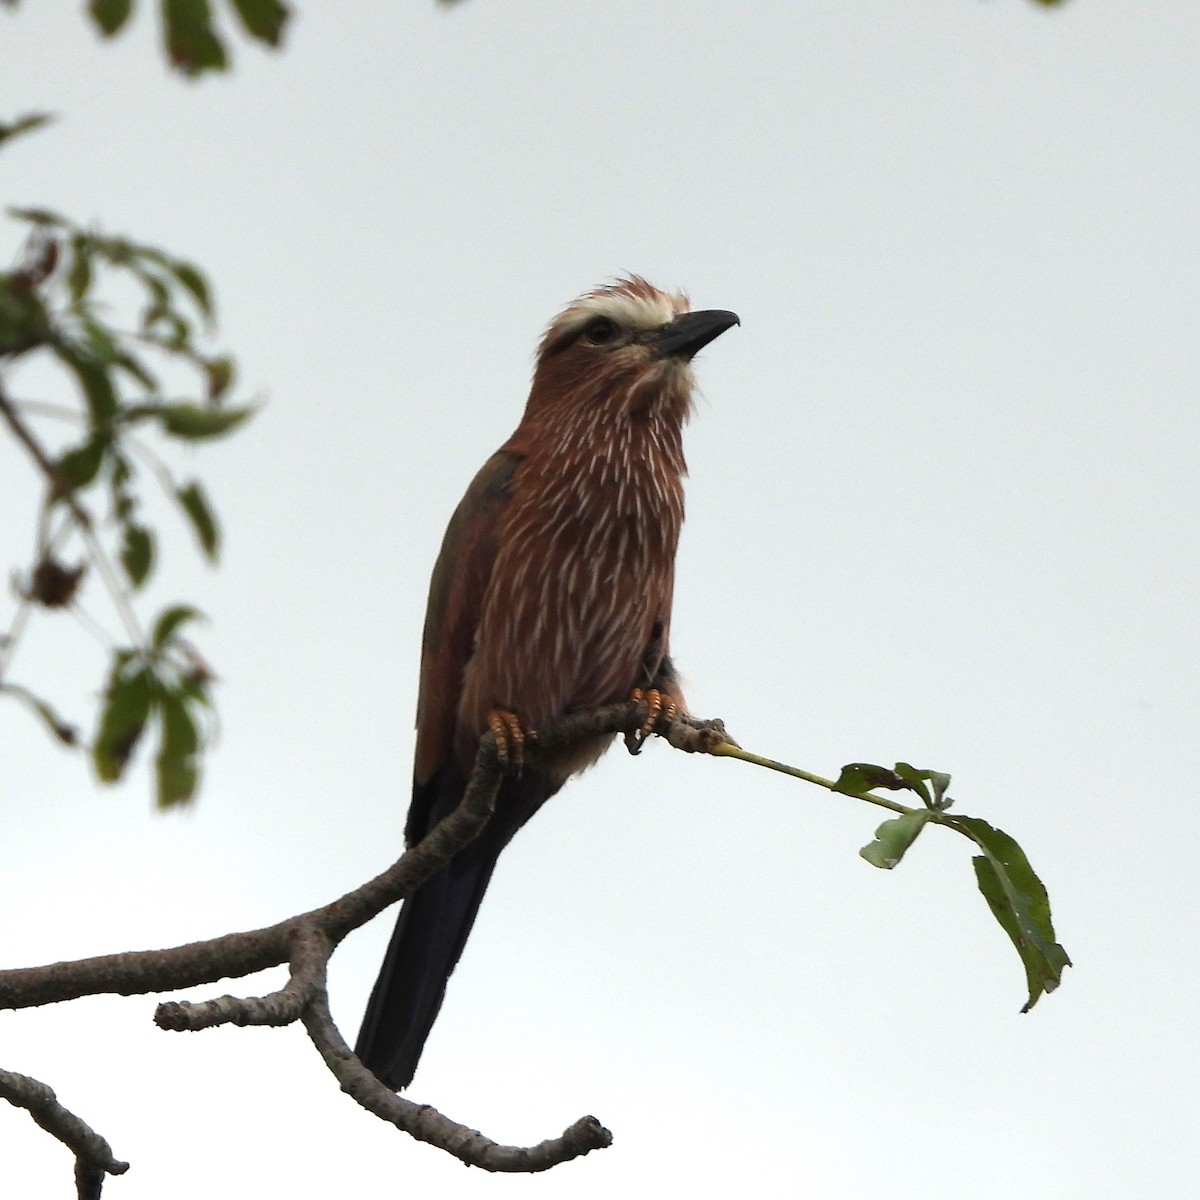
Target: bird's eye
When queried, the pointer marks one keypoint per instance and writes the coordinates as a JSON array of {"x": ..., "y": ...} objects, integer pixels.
[{"x": 601, "y": 330}]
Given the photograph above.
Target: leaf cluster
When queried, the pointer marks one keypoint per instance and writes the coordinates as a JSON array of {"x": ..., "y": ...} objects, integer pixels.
[
  {"x": 192, "y": 36},
  {"x": 53, "y": 304},
  {"x": 162, "y": 685},
  {"x": 1014, "y": 893}
]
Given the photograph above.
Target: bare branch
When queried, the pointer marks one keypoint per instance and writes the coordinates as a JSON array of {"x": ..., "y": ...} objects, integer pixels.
[
  {"x": 426, "y": 1124},
  {"x": 93, "y": 1155},
  {"x": 310, "y": 952},
  {"x": 307, "y": 941},
  {"x": 236, "y": 954}
]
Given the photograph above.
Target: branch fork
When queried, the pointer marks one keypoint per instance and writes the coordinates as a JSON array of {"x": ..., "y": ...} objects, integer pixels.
[{"x": 305, "y": 943}]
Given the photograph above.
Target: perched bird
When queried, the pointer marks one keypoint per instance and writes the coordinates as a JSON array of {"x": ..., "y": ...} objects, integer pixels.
[{"x": 551, "y": 594}]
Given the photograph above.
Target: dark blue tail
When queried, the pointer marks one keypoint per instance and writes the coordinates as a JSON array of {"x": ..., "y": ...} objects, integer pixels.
[{"x": 433, "y": 927}]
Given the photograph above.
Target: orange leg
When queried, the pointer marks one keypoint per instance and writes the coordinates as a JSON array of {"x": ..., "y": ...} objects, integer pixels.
[
  {"x": 510, "y": 737},
  {"x": 659, "y": 706}
]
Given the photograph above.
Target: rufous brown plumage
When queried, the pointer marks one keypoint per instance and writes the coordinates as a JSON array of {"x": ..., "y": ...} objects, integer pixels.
[{"x": 552, "y": 594}]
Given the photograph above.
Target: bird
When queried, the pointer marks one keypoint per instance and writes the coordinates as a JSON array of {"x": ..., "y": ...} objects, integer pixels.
[{"x": 551, "y": 594}]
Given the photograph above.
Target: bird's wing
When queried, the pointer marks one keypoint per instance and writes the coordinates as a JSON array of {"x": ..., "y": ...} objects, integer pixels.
[{"x": 456, "y": 591}]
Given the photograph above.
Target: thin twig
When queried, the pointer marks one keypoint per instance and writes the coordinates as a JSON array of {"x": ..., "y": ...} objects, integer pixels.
[
  {"x": 59, "y": 487},
  {"x": 8, "y": 410},
  {"x": 730, "y": 750}
]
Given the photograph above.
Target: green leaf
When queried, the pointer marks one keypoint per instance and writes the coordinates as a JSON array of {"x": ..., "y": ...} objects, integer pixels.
[
  {"x": 122, "y": 718},
  {"x": 196, "y": 683},
  {"x": 79, "y": 277},
  {"x": 914, "y": 780},
  {"x": 134, "y": 367},
  {"x": 939, "y": 781},
  {"x": 169, "y": 621},
  {"x": 24, "y": 321},
  {"x": 137, "y": 553},
  {"x": 101, "y": 343},
  {"x": 149, "y": 254},
  {"x": 158, "y": 308},
  {"x": 122, "y": 472},
  {"x": 119, "y": 251},
  {"x": 220, "y": 372},
  {"x": 40, "y": 216},
  {"x": 93, "y": 378},
  {"x": 78, "y": 467},
  {"x": 1018, "y": 901},
  {"x": 923, "y": 782},
  {"x": 196, "y": 285},
  {"x": 857, "y": 778},
  {"x": 176, "y": 767},
  {"x": 194, "y": 502},
  {"x": 194, "y": 423},
  {"x": 893, "y": 838},
  {"x": 25, "y": 124},
  {"x": 192, "y": 43},
  {"x": 120, "y": 475},
  {"x": 263, "y": 19},
  {"x": 109, "y": 15}
]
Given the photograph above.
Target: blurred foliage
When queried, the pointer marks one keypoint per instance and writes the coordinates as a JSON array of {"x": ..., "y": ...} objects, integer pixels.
[
  {"x": 192, "y": 35},
  {"x": 53, "y": 305}
]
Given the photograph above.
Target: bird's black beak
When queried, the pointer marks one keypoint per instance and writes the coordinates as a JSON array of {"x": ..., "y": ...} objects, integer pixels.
[{"x": 690, "y": 332}]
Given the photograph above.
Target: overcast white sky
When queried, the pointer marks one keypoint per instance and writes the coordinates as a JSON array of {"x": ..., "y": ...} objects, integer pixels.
[{"x": 943, "y": 507}]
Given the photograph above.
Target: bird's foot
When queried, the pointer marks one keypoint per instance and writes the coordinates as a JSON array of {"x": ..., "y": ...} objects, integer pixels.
[
  {"x": 510, "y": 737},
  {"x": 660, "y": 706}
]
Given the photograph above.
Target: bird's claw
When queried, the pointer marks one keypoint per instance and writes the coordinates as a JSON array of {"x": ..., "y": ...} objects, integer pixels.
[
  {"x": 510, "y": 737},
  {"x": 660, "y": 706}
]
